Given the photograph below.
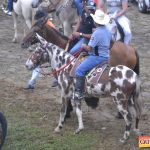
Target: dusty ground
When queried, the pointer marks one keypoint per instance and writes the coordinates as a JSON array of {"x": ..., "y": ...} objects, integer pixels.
[{"x": 14, "y": 76}]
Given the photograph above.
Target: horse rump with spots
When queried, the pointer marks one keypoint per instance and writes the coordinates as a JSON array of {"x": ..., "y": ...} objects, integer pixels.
[{"x": 121, "y": 83}]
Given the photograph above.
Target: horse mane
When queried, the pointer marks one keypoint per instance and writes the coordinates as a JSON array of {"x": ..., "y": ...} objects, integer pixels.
[
  {"x": 60, "y": 34},
  {"x": 42, "y": 21}
]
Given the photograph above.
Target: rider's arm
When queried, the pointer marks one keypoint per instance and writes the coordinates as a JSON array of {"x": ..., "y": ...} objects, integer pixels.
[
  {"x": 78, "y": 24},
  {"x": 88, "y": 36},
  {"x": 124, "y": 9},
  {"x": 87, "y": 47}
]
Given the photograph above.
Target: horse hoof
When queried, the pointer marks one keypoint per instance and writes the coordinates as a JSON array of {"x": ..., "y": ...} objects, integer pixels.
[
  {"x": 78, "y": 130},
  {"x": 57, "y": 130},
  {"x": 138, "y": 132},
  {"x": 123, "y": 141},
  {"x": 14, "y": 40}
]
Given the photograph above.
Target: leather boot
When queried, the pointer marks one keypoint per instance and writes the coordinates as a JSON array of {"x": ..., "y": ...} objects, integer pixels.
[{"x": 79, "y": 88}]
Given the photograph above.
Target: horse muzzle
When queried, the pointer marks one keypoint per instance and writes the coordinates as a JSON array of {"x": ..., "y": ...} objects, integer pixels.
[{"x": 29, "y": 65}]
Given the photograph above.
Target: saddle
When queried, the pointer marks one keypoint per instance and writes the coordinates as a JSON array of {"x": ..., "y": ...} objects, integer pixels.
[{"x": 96, "y": 75}]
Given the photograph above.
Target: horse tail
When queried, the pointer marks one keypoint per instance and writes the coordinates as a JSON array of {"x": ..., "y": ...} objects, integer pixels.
[
  {"x": 137, "y": 66},
  {"x": 136, "y": 99},
  {"x": 3, "y": 124},
  {"x": 92, "y": 101}
]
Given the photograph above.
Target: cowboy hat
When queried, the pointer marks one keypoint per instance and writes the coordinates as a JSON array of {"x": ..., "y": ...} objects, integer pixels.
[{"x": 100, "y": 17}]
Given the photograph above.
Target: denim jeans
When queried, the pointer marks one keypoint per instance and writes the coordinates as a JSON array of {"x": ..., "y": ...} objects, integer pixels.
[
  {"x": 35, "y": 75},
  {"x": 78, "y": 45},
  {"x": 88, "y": 64},
  {"x": 10, "y": 5},
  {"x": 79, "y": 6}
]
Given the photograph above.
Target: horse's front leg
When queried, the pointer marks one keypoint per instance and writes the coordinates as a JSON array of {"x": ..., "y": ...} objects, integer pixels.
[
  {"x": 79, "y": 116},
  {"x": 67, "y": 28},
  {"x": 62, "y": 116},
  {"x": 15, "y": 27}
]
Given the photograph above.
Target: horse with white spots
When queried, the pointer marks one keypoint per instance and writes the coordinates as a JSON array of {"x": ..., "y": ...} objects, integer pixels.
[{"x": 120, "y": 82}]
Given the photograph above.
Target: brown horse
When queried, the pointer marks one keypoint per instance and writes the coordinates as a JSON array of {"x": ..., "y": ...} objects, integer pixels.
[{"x": 120, "y": 53}]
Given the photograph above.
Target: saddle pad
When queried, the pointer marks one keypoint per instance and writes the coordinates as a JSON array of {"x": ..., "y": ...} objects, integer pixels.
[
  {"x": 79, "y": 60},
  {"x": 95, "y": 74}
]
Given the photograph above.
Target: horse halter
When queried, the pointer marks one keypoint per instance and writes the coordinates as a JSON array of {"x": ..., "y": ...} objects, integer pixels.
[{"x": 38, "y": 55}]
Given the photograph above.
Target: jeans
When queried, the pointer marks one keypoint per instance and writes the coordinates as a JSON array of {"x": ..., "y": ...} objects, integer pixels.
[
  {"x": 78, "y": 45},
  {"x": 79, "y": 6},
  {"x": 35, "y": 75},
  {"x": 88, "y": 64},
  {"x": 10, "y": 5}
]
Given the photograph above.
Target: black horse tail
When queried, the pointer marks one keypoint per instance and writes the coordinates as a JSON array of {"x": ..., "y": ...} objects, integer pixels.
[
  {"x": 92, "y": 101},
  {"x": 3, "y": 124},
  {"x": 137, "y": 66}
]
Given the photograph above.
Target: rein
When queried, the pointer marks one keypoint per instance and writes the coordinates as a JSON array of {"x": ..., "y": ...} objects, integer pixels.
[{"x": 62, "y": 68}]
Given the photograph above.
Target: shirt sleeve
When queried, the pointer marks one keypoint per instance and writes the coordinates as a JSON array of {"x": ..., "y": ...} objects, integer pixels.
[{"x": 93, "y": 40}]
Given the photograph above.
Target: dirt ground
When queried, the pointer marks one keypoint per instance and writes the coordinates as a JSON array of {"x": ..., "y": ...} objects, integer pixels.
[{"x": 14, "y": 77}]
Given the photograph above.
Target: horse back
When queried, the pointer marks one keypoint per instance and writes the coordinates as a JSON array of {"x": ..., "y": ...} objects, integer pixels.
[{"x": 122, "y": 54}]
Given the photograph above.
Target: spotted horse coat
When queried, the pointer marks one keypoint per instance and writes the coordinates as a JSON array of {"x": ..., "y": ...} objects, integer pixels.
[{"x": 123, "y": 86}]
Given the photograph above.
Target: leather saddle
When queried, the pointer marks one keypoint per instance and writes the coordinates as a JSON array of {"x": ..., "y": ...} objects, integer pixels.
[{"x": 96, "y": 75}]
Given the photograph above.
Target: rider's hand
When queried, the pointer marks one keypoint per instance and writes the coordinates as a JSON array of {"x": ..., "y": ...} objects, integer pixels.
[
  {"x": 71, "y": 38},
  {"x": 83, "y": 46},
  {"x": 76, "y": 34}
]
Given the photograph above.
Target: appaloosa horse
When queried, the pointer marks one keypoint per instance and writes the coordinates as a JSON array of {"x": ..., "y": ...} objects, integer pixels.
[
  {"x": 122, "y": 84},
  {"x": 65, "y": 11},
  {"x": 120, "y": 53}
]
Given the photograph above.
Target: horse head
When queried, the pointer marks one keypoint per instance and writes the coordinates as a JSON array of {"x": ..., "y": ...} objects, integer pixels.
[
  {"x": 39, "y": 56},
  {"x": 30, "y": 38}
]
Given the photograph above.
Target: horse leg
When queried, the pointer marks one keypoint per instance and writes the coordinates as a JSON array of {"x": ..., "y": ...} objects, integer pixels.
[
  {"x": 15, "y": 27},
  {"x": 127, "y": 117},
  {"x": 67, "y": 28},
  {"x": 62, "y": 115},
  {"x": 79, "y": 116},
  {"x": 69, "y": 109},
  {"x": 29, "y": 24}
]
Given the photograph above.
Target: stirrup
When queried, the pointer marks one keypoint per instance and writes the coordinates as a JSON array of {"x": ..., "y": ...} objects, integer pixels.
[{"x": 78, "y": 96}]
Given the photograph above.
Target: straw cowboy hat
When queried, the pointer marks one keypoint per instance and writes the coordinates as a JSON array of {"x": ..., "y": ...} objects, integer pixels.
[{"x": 100, "y": 17}]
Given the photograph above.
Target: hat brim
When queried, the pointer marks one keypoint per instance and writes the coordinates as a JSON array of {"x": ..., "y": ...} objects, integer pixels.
[{"x": 101, "y": 22}]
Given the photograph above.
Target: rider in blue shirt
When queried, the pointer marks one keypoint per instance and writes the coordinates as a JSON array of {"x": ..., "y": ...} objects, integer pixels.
[{"x": 101, "y": 38}]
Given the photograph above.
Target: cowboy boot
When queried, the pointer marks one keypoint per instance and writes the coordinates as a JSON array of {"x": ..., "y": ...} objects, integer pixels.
[{"x": 79, "y": 88}]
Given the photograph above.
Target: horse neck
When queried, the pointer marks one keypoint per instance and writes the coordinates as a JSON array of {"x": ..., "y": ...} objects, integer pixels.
[
  {"x": 55, "y": 37},
  {"x": 58, "y": 57}
]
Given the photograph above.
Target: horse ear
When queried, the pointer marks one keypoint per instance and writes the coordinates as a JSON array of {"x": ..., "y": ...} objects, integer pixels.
[{"x": 41, "y": 40}]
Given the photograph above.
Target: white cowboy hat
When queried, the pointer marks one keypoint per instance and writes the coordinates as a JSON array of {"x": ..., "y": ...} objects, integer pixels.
[{"x": 100, "y": 17}]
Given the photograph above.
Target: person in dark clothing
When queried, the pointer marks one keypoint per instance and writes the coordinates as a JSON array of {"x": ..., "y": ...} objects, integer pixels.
[{"x": 84, "y": 27}]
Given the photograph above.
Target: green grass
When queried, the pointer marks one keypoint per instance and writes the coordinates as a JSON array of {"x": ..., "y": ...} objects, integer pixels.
[
  {"x": 28, "y": 130},
  {"x": 27, "y": 137}
]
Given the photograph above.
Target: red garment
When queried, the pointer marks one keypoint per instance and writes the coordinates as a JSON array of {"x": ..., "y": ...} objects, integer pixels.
[{"x": 96, "y": 1}]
